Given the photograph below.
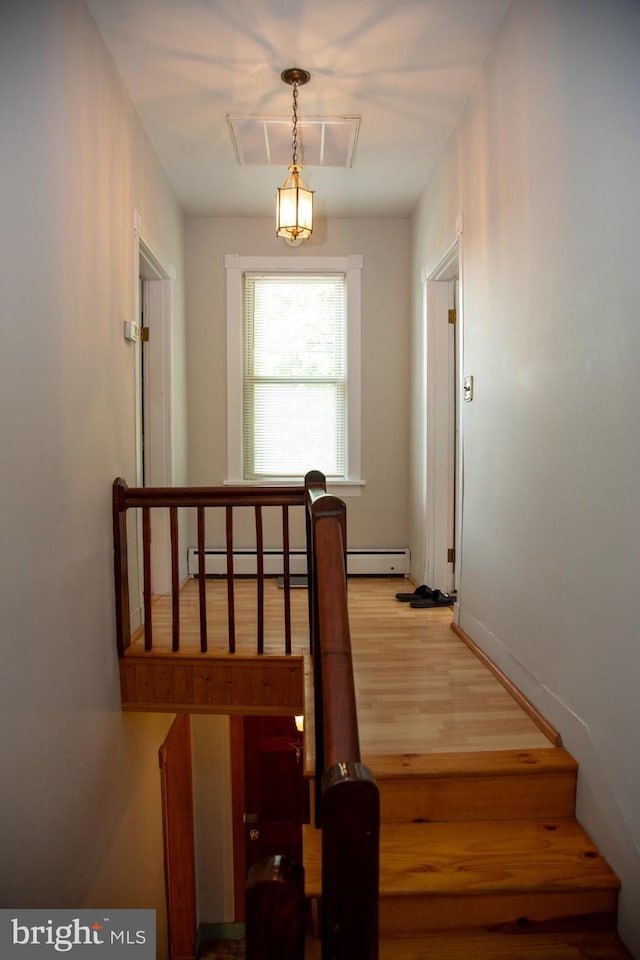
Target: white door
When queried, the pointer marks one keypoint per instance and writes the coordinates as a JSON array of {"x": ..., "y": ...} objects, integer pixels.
[
  {"x": 442, "y": 444},
  {"x": 152, "y": 378}
]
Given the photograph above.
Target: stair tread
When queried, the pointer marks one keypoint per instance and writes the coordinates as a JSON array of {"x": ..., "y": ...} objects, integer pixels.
[
  {"x": 496, "y": 763},
  {"x": 487, "y": 785},
  {"x": 472, "y": 857}
]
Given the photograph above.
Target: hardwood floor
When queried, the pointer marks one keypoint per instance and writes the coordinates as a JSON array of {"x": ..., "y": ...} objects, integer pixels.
[
  {"x": 432, "y": 694},
  {"x": 419, "y": 688}
]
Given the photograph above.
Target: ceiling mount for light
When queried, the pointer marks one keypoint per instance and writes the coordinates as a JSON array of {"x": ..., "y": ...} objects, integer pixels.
[
  {"x": 294, "y": 200},
  {"x": 295, "y": 75}
]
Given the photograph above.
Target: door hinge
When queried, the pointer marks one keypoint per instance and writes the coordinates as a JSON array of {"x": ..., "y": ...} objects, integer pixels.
[
  {"x": 144, "y": 334},
  {"x": 451, "y": 555},
  {"x": 453, "y": 315}
]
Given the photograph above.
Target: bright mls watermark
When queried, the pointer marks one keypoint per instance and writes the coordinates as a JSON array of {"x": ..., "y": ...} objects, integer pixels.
[{"x": 124, "y": 934}]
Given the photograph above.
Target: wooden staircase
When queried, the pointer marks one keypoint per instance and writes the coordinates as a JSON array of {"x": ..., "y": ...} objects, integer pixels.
[{"x": 481, "y": 857}]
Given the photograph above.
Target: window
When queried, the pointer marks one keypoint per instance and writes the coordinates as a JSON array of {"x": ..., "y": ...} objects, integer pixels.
[
  {"x": 293, "y": 344},
  {"x": 294, "y": 374}
]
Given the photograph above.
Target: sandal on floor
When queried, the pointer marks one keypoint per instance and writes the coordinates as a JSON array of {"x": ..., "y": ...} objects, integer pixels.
[
  {"x": 420, "y": 593},
  {"x": 437, "y": 599}
]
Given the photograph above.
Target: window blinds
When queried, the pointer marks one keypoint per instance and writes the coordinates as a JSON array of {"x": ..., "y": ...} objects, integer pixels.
[{"x": 294, "y": 377}]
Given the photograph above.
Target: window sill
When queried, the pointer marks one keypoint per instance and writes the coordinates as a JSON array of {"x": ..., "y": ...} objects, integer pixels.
[{"x": 338, "y": 488}]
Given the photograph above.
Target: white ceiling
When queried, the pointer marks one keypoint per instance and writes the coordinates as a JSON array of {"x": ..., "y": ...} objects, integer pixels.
[{"x": 405, "y": 67}]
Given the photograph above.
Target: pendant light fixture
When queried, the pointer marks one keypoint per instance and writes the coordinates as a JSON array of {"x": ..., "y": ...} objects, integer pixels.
[{"x": 294, "y": 200}]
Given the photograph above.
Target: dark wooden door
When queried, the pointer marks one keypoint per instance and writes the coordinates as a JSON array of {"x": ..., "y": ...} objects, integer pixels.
[
  {"x": 275, "y": 796},
  {"x": 179, "y": 848},
  {"x": 270, "y": 795}
]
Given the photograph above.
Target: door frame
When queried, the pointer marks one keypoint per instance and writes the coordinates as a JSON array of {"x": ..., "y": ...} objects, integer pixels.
[
  {"x": 158, "y": 276},
  {"x": 443, "y": 461}
]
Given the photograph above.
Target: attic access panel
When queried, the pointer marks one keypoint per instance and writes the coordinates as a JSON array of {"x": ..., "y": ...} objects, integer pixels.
[{"x": 323, "y": 141}]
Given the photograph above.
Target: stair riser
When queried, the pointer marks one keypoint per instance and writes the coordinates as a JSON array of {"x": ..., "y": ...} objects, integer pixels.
[
  {"x": 411, "y": 799},
  {"x": 502, "y": 946},
  {"x": 525, "y": 912},
  {"x": 480, "y": 945}
]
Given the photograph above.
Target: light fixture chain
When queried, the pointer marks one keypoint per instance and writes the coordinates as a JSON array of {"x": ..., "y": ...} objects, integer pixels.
[{"x": 294, "y": 119}]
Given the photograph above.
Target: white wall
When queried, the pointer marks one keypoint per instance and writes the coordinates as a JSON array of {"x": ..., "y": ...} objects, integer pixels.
[
  {"x": 80, "y": 801},
  {"x": 212, "y": 817},
  {"x": 544, "y": 168},
  {"x": 379, "y": 517}
]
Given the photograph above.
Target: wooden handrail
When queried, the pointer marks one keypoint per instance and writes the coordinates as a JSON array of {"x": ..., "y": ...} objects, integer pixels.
[
  {"x": 228, "y": 496},
  {"x": 340, "y": 721},
  {"x": 348, "y": 809}
]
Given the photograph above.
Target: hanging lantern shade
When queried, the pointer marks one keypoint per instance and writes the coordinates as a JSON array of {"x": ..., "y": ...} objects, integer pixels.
[{"x": 294, "y": 207}]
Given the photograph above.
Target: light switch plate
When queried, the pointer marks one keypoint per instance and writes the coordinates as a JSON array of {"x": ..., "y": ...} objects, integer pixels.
[{"x": 131, "y": 331}]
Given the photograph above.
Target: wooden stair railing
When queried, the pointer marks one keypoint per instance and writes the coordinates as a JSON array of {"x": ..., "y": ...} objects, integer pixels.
[
  {"x": 175, "y": 499},
  {"x": 347, "y": 800},
  {"x": 348, "y": 808}
]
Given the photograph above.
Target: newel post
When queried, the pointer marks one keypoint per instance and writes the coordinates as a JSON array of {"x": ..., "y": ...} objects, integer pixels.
[
  {"x": 120, "y": 565},
  {"x": 275, "y": 910},
  {"x": 350, "y": 863},
  {"x": 350, "y": 805}
]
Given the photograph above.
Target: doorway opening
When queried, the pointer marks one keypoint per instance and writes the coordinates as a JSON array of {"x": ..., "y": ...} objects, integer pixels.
[
  {"x": 270, "y": 794},
  {"x": 443, "y": 450},
  {"x": 153, "y": 312},
  {"x": 152, "y": 365}
]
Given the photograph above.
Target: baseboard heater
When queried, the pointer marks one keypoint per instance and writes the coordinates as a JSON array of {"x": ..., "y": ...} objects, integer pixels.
[{"x": 363, "y": 563}]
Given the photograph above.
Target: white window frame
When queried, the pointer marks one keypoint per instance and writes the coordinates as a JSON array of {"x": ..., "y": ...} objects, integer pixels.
[{"x": 236, "y": 266}]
